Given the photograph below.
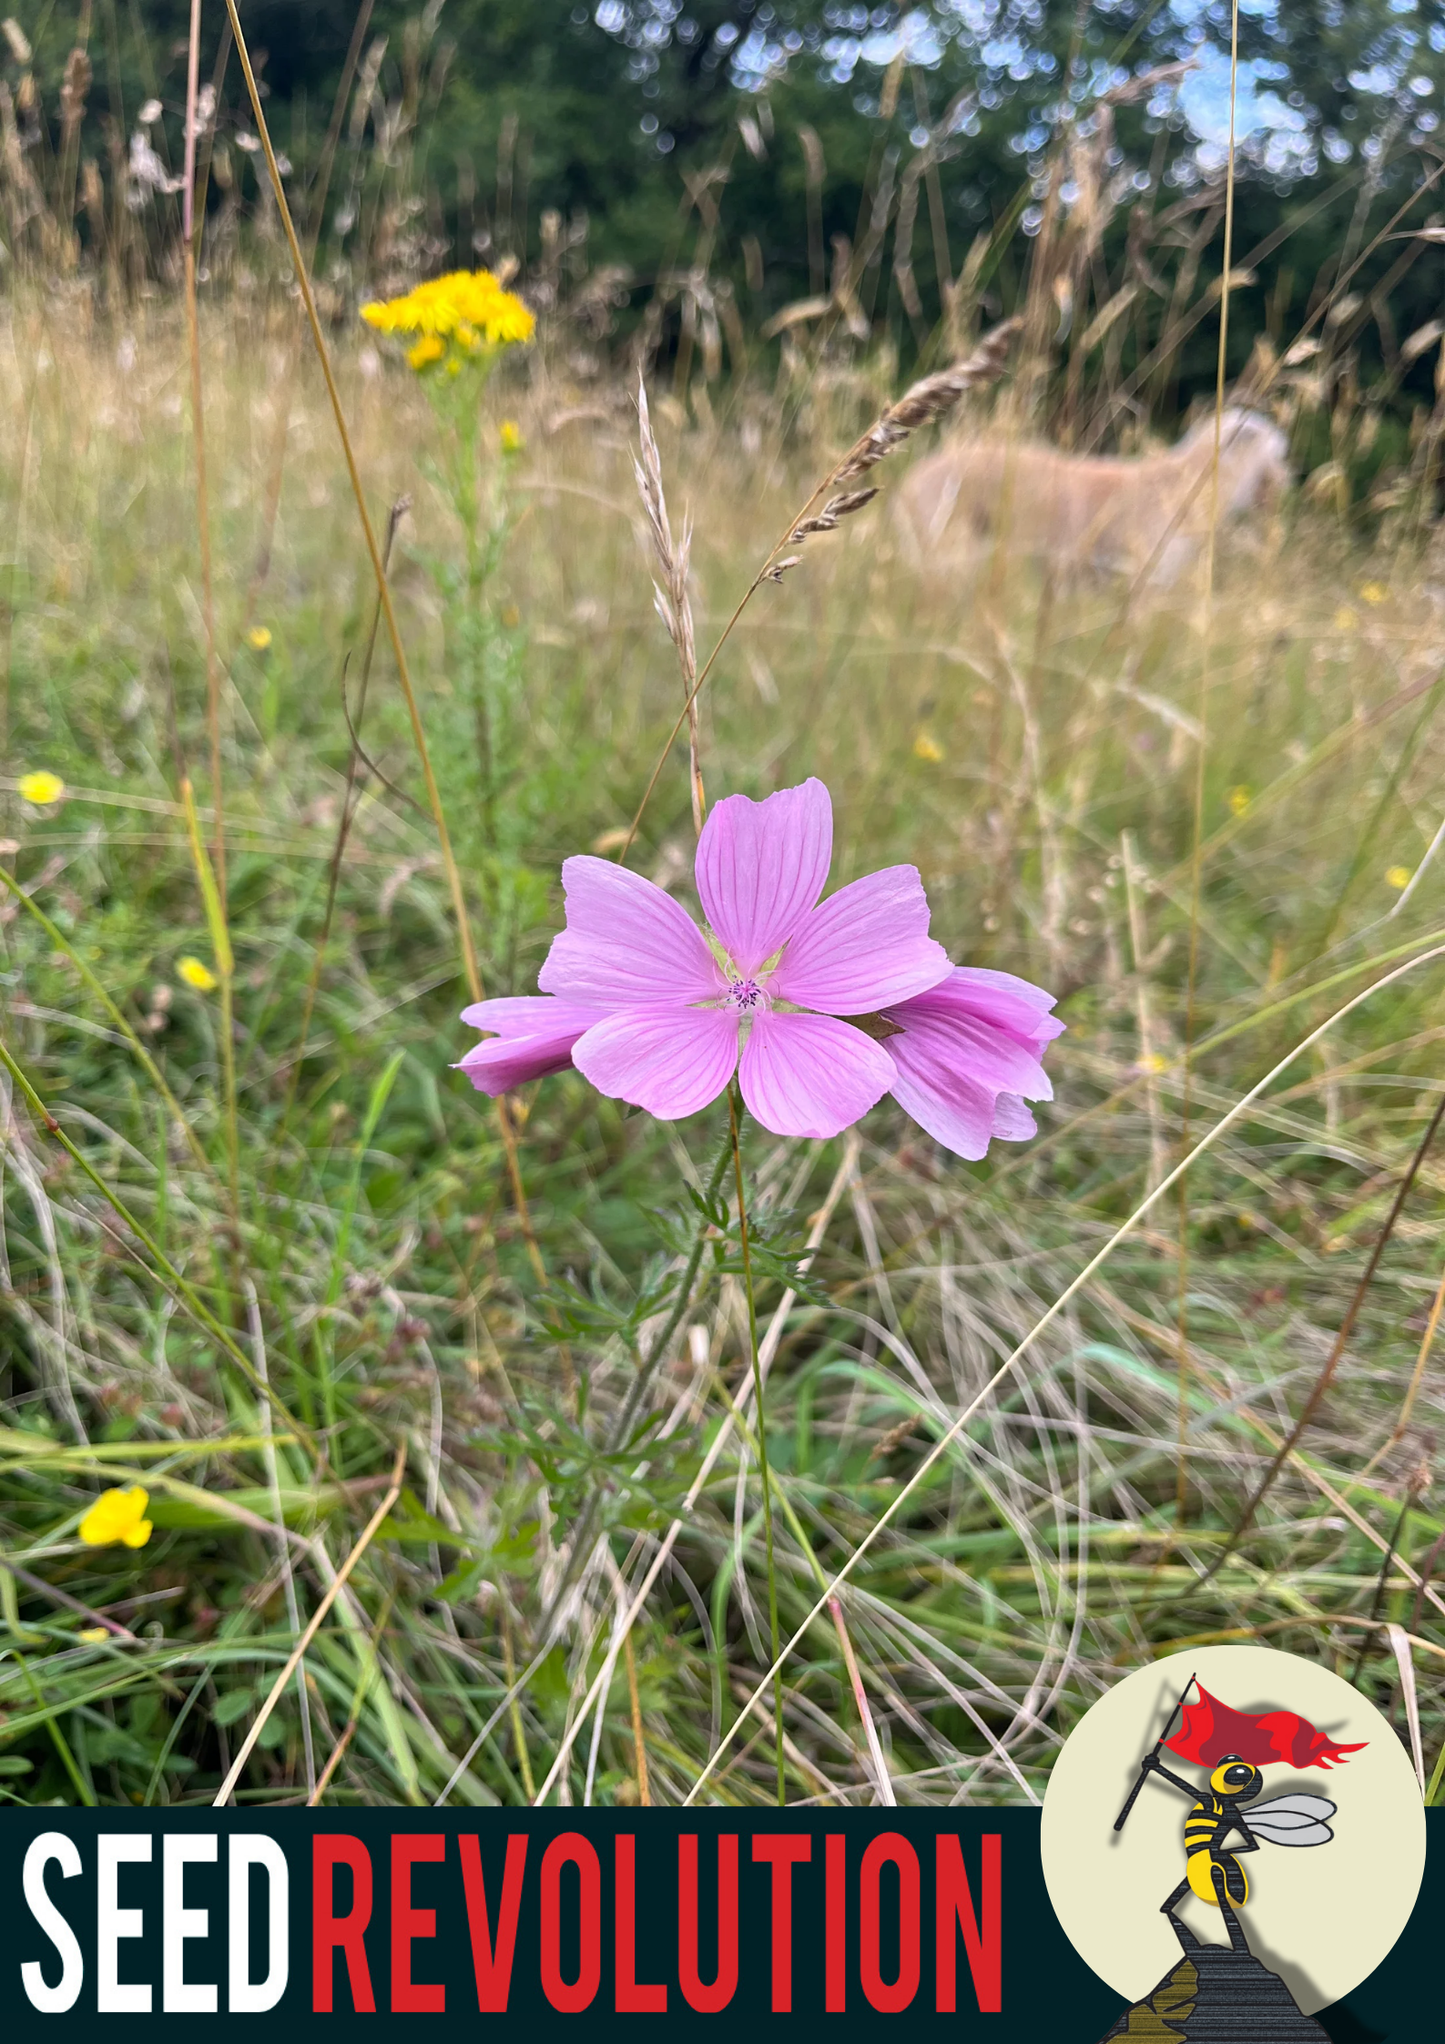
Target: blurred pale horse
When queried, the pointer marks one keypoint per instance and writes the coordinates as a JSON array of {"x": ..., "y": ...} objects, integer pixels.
[{"x": 1078, "y": 514}]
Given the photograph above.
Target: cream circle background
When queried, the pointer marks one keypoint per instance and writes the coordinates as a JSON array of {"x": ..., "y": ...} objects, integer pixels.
[{"x": 1322, "y": 1917}]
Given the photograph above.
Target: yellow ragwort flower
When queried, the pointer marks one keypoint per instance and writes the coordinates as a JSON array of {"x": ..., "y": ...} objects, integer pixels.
[
  {"x": 118, "y": 1519},
  {"x": 467, "y": 311},
  {"x": 1239, "y": 800},
  {"x": 430, "y": 348},
  {"x": 1373, "y": 592},
  {"x": 511, "y": 436},
  {"x": 1397, "y": 876},
  {"x": 258, "y": 638},
  {"x": 41, "y": 788},
  {"x": 926, "y": 746},
  {"x": 197, "y": 975}
]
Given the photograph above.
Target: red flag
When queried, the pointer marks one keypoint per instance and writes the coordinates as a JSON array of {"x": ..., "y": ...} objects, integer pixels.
[{"x": 1211, "y": 1730}]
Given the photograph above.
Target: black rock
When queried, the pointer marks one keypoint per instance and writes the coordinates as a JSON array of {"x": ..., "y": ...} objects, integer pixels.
[{"x": 1216, "y": 1995}]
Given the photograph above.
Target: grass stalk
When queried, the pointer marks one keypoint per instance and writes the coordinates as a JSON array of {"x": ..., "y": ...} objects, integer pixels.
[
  {"x": 470, "y": 969},
  {"x": 184, "y": 1293},
  {"x": 639, "y": 1737},
  {"x": 762, "y": 1434},
  {"x": 343, "y": 831},
  {"x": 1201, "y": 750},
  {"x": 116, "y": 1015},
  {"x": 52, "y": 1726},
  {"x": 218, "y": 928},
  {"x": 198, "y": 442},
  {"x": 334, "y": 1589},
  {"x": 931, "y": 398},
  {"x": 1332, "y": 1362}
]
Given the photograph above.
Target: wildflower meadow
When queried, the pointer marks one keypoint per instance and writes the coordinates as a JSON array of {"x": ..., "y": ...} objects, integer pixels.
[{"x": 650, "y": 1151}]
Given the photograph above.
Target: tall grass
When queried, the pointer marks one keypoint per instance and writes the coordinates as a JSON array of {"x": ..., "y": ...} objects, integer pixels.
[
  {"x": 1030, "y": 748},
  {"x": 278, "y": 1272}
]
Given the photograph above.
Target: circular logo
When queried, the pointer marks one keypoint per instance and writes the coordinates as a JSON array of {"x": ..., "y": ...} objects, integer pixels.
[{"x": 1274, "y": 1828}]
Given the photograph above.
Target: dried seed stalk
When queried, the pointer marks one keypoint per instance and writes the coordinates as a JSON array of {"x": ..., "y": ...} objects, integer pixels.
[
  {"x": 933, "y": 397},
  {"x": 670, "y": 596}
]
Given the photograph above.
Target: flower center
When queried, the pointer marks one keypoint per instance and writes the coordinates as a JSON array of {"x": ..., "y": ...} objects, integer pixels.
[{"x": 746, "y": 995}]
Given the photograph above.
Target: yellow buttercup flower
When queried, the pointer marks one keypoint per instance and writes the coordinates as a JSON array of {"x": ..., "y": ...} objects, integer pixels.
[
  {"x": 1239, "y": 800},
  {"x": 41, "y": 788},
  {"x": 461, "y": 316},
  {"x": 926, "y": 746},
  {"x": 118, "y": 1519},
  {"x": 511, "y": 436},
  {"x": 197, "y": 975},
  {"x": 1397, "y": 876},
  {"x": 258, "y": 638}
]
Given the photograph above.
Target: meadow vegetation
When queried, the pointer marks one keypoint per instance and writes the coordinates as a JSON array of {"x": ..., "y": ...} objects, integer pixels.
[{"x": 263, "y": 1254}]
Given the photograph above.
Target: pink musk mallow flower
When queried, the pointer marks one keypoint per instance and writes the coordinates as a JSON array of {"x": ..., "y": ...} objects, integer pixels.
[{"x": 654, "y": 1012}]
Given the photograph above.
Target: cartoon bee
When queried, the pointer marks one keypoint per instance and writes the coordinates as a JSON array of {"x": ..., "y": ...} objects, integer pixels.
[{"x": 1213, "y": 1873}]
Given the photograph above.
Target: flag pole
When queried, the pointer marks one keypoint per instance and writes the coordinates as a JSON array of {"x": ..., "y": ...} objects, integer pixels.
[{"x": 1154, "y": 1755}]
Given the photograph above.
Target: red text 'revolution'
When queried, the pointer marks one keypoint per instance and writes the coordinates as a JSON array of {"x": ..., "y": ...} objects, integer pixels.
[{"x": 581, "y": 1923}]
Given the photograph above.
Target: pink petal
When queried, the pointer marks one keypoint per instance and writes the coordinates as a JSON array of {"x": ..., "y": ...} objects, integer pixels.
[
  {"x": 807, "y": 1075},
  {"x": 957, "y": 1112},
  {"x": 1010, "y": 1004},
  {"x": 1012, "y": 1122},
  {"x": 535, "y": 1037},
  {"x": 962, "y": 1043},
  {"x": 626, "y": 943},
  {"x": 528, "y": 1015},
  {"x": 761, "y": 866},
  {"x": 865, "y": 948},
  {"x": 1004, "y": 983},
  {"x": 959, "y": 1076},
  {"x": 672, "y": 1061}
]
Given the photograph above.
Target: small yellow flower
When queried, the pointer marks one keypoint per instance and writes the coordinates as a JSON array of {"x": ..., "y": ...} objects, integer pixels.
[
  {"x": 1397, "y": 876},
  {"x": 93, "y": 1635},
  {"x": 1345, "y": 619},
  {"x": 926, "y": 746},
  {"x": 197, "y": 975},
  {"x": 1239, "y": 799},
  {"x": 1153, "y": 1063},
  {"x": 467, "y": 307},
  {"x": 430, "y": 348},
  {"x": 118, "y": 1519},
  {"x": 1373, "y": 592},
  {"x": 511, "y": 436},
  {"x": 258, "y": 638},
  {"x": 511, "y": 617},
  {"x": 41, "y": 788}
]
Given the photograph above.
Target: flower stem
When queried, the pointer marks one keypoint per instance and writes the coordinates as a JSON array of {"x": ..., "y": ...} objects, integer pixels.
[
  {"x": 682, "y": 1299},
  {"x": 762, "y": 1434},
  {"x": 642, "y": 1382}
]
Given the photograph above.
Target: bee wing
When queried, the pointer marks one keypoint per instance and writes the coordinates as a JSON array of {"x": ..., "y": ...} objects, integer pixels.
[{"x": 1292, "y": 1820}]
